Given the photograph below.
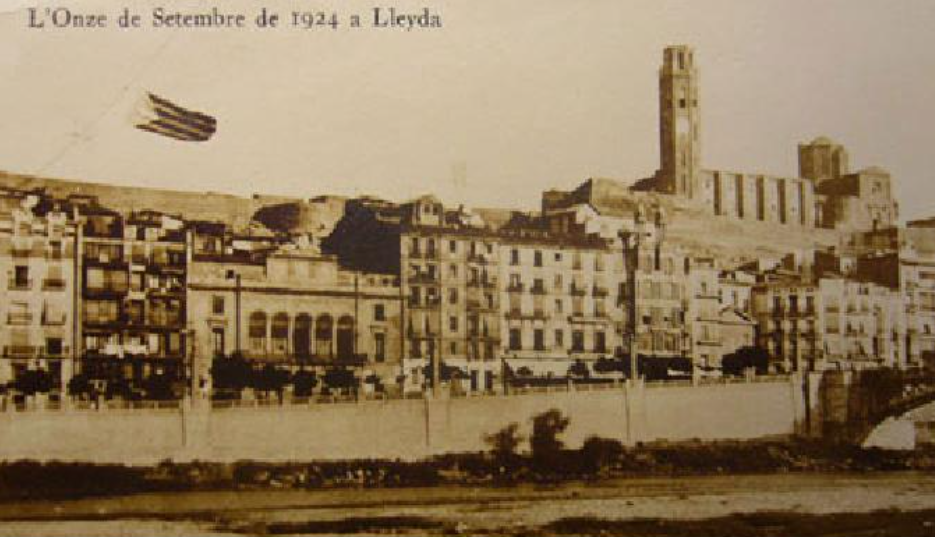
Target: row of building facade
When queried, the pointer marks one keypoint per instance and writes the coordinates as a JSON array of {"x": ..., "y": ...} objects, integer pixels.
[{"x": 416, "y": 294}]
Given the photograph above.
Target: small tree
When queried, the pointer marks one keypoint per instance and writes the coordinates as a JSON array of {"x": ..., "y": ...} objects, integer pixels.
[
  {"x": 545, "y": 442},
  {"x": 744, "y": 358},
  {"x": 579, "y": 369},
  {"x": 80, "y": 386},
  {"x": 303, "y": 383},
  {"x": 598, "y": 453},
  {"x": 33, "y": 381},
  {"x": 504, "y": 443}
]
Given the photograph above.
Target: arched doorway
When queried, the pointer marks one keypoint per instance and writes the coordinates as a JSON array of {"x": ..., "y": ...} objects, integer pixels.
[
  {"x": 302, "y": 336},
  {"x": 346, "y": 338},
  {"x": 323, "y": 336}
]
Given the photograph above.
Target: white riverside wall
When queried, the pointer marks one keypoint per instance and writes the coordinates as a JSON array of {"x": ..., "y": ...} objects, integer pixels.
[{"x": 403, "y": 429}]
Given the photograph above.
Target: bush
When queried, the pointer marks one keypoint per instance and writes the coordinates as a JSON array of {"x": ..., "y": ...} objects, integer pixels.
[
  {"x": 544, "y": 442},
  {"x": 598, "y": 454},
  {"x": 744, "y": 358},
  {"x": 303, "y": 383},
  {"x": 504, "y": 443}
]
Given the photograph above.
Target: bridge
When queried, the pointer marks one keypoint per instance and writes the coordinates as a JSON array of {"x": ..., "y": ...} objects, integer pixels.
[{"x": 845, "y": 406}]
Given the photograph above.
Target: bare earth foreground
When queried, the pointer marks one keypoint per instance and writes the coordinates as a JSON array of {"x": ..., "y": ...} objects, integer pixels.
[{"x": 763, "y": 505}]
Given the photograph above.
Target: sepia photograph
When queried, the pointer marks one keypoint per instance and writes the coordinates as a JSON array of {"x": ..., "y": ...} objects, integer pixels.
[{"x": 447, "y": 267}]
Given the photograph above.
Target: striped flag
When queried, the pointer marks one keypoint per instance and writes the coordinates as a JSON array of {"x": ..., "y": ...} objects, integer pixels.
[{"x": 169, "y": 119}]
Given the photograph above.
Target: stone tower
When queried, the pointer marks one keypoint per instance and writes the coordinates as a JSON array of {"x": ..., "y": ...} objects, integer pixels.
[
  {"x": 680, "y": 145},
  {"x": 821, "y": 160}
]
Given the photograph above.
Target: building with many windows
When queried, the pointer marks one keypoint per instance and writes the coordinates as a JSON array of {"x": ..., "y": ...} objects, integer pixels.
[
  {"x": 38, "y": 240},
  {"x": 291, "y": 307},
  {"x": 133, "y": 300}
]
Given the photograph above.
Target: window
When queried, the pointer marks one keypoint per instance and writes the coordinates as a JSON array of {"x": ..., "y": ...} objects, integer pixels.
[
  {"x": 538, "y": 258},
  {"x": 599, "y": 342},
  {"x": 414, "y": 246},
  {"x": 559, "y": 339},
  {"x": 380, "y": 347},
  {"x": 217, "y": 341},
  {"x": 538, "y": 343},
  {"x": 21, "y": 277},
  {"x": 453, "y": 296},
  {"x": 558, "y": 305},
  {"x": 515, "y": 344},
  {"x": 280, "y": 331},
  {"x": 514, "y": 257},
  {"x": 453, "y": 348},
  {"x": 578, "y": 341},
  {"x": 558, "y": 257},
  {"x": 135, "y": 312},
  {"x": 379, "y": 313},
  {"x": 217, "y": 305},
  {"x": 257, "y": 331},
  {"x": 599, "y": 308},
  {"x": 453, "y": 271},
  {"x": 453, "y": 323},
  {"x": 557, "y": 281},
  {"x": 54, "y": 346},
  {"x": 453, "y": 246}
]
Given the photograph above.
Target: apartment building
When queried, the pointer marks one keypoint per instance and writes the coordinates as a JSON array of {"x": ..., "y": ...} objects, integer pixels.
[
  {"x": 37, "y": 318},
  {"x": 832, "y": 322},
  {"x": 133, "y": 300}
]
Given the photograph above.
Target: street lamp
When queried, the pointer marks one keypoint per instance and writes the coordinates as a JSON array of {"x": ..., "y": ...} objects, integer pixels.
[{"x": 233, "y": 275}]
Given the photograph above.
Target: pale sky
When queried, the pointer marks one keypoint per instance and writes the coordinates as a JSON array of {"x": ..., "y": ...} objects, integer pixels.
[{"x": 523, "y": 95}]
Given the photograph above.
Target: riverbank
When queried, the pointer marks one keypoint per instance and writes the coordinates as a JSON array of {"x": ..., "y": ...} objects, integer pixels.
[
  {"x": 680, "y": 505},
  {"x": 597, "y": 460},
  {"x": 884, "y": 523}
]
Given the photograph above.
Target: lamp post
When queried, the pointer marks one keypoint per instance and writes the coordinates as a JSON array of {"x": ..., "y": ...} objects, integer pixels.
[
  {"x": 631, "y": 243},
  {"x": 232, "y": 275}
]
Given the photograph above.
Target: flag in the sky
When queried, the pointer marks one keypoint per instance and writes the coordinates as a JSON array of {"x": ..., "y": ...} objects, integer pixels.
[{"x": 169, "y": 119}]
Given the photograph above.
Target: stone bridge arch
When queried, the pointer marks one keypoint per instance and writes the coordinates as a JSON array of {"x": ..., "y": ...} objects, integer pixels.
[{"x": 845, "y": 406}]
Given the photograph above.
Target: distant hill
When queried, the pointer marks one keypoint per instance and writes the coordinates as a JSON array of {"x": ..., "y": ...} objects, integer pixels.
[{"x": 234, "y": 210}]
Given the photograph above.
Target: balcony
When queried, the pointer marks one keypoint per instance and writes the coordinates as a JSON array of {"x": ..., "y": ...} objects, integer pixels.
[
  {"x": 19, "y": 319},
  {"x": 110, "y": 291},
  {"x": 430, "y": 302},
  {"x": 600, "y": 291},
  {"x": 538, "y": 290},
  {"x": 488, "y": 283},
  {"x": 53, "y": 284},
  {"x": 518, "y": 315},
  {"x": 20, "y": 351},
  {"x": 577, "y": 290},
  {"x": 479, "y": 305},
  {"x": 53, "y": 318},
  {"x": 477, "y": 257},
  {"x": 21, "y": 251},
  {"x": 424, "y": 254},
  {"x": 515, "y": 287},
  {"x": 19, "y": 284},
  {"x": 424, "y": 277}
]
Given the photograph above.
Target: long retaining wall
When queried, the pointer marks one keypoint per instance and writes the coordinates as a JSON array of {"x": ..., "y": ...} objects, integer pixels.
[{"x": 404, "y": 429}]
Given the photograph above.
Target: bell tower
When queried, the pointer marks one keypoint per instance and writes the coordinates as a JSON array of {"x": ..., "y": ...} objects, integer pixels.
[{"x": 680, "y": 146}]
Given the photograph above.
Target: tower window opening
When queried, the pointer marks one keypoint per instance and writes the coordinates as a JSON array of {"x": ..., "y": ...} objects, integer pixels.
[{"x": 682, "y": 103}]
